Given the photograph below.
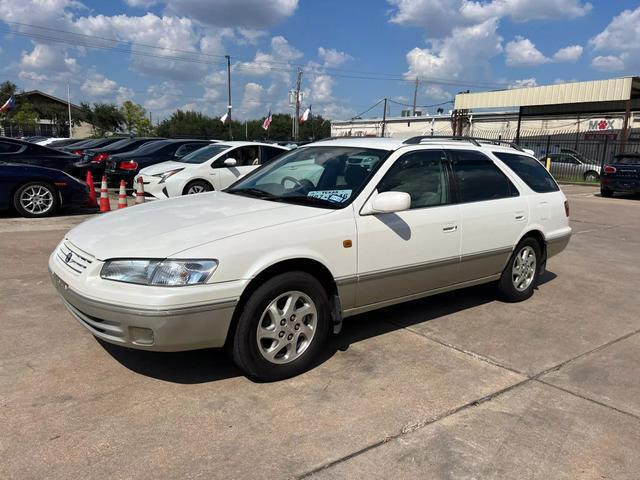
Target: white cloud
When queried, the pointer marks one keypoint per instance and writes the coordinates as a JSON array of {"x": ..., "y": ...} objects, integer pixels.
[
  {"x": 464, "y": 54},
  {"x": 227, "y": 13},
  {"x": 522, "y": 52},
  {"x": 162, "y": 96},
  {"x": 252, "y": 100},
  {"x": 47, "y": 57},
  {"x": 332, "y": 58},
  {"x": 140, "y": 3},
  {"x": 440, "y": 17},
  {"x": 102, "y": 88},
  {"x": 525, "y": 10},
  {"x": 524, "y": 83},
  {"x": 622, "y": 39},
  {"x": 609, "y": 63},
  {"x": 568, "y": 54}
]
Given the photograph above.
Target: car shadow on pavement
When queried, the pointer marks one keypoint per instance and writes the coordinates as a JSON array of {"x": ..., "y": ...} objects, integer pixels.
[
  {"x": 196, "y": 366},
  {"x": 209, "y": 365}
]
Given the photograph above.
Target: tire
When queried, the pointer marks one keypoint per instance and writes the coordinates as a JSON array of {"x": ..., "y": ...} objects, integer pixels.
[
  {"x": 513, "y": 287},
  {"x": 591, "y": 176},
  {"x": 36, "y": 199},
  {"x": 606, "y": 193},
  {"x": 197, "y": 186},
  {"x": 266, "y": 349}
]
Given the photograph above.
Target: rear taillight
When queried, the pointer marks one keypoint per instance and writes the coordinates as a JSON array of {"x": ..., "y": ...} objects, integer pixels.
[
  {"x": 609, "y": 169},
  {"x": 128, "y": 165},
  {"x": 100, "y": 157},
  {"x": 77, "y": 152},
  {"x": 566, "y": 208}
]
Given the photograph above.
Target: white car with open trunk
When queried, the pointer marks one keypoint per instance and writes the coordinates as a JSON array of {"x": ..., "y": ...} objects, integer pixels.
[{"x": 271, "y": 266}]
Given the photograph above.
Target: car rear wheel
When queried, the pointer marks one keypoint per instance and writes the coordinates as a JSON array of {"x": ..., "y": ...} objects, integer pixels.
[
  {"x": 591, "y": 176},
  {"x": 282, "y": 328},
  {"x": 606, "y": 193},
  {"x": 521, "y": 273},
  {"x": 36, "y": 199},
  {"x": 199, "y": 186}
]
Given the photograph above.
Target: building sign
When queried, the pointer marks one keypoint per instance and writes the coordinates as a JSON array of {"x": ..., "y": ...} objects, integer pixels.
[{"x": 601, "y": 128}]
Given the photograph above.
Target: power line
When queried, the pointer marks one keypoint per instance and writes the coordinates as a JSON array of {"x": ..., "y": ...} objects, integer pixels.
[
  {"x": 422, "y": 106},
  {"x": 194, "y": 57},
  {"x": 370, "y": 108}
]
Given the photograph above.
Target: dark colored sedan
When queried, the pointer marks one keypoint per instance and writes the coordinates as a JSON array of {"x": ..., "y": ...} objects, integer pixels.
[
  {"x": 79, "y": 148},
  {"x": 38, "y": 191},
  {"x": 125, "y": 166},
  {"x": 623, "y": 175},
  {"x": 94, "y": 158},
  {"x": 19, "y": 151}
]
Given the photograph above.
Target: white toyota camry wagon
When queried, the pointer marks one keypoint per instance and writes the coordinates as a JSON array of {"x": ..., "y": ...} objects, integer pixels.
[{"x": 271, "y": 266}]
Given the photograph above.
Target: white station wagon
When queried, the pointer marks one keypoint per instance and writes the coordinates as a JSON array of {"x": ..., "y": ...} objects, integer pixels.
[{"x": 271, "y": 266}]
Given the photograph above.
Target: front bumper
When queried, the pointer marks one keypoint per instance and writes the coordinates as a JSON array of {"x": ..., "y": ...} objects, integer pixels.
[
  {"x": 157, "y": 329},
  {"x": 152, "y": 187}
]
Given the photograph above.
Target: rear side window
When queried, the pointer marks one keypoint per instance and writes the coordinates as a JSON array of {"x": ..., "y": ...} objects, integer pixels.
[
  {"x": 530, "y": 171},
  {"x": 270, "y": 153},
  {"x": 7, "y": 147},
  {"x": 478, "y": 178}
]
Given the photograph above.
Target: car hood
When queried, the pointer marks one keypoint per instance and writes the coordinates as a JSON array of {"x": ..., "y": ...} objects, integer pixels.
[
  {"x": 165, "y": 228},
  {"x": 164, "y": 167}
]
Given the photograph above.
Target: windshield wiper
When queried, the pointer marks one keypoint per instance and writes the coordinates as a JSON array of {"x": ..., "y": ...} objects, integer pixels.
[
  {"x": 304, "y": 200},
  {"x": 252, "y": 192}
]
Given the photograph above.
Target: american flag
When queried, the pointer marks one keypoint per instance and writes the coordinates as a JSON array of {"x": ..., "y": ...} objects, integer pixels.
[{"x": 267, "y": 121}]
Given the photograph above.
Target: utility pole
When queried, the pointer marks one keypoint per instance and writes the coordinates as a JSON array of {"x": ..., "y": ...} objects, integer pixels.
[
  {"x": 69, "y": 106},
  {"x": 384, "y": 117},
  {"x": 297, "y": 119},
  {"x": 415, "y": 97},
  {"x": 229, "y": 95}
]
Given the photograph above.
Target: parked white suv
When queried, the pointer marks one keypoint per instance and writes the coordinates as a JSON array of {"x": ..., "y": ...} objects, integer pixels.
[
  {"x": 213, "y": 167},
  {"x": 271, "y": 266}
]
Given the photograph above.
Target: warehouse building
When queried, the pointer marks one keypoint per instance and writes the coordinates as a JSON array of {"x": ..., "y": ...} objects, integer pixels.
[{"x": 595, "y": 110}]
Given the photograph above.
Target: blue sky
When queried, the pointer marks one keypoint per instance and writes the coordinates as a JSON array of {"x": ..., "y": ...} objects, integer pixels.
[{"x": 168, "y": 54}]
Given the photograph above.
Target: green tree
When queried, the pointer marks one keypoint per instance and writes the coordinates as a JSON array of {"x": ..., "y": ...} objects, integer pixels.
[
  {"x": 25, "y": 117},
  {"x": 6, "y": 90},
  {"x": 106, "y": 118},
  {"x": 135, "y": 119}
]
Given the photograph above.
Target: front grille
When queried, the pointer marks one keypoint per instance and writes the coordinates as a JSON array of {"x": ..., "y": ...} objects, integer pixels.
[{"x": 74, "y": 259}]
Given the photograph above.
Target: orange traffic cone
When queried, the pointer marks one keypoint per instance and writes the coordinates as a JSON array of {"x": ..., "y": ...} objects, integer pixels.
[
  {"x": 122, "y": 195},
  {"x": 140, "y": 191},
  {"x": 105, "y": 205},
  {"x": 92, "y": 202}
]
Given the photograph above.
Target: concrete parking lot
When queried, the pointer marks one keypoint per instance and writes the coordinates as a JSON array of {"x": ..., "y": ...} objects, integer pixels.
[{"x": 458, "y": 386}]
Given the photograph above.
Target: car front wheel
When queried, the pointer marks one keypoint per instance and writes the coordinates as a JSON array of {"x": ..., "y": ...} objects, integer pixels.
[
  {"x": 198, "y": 186},
  {"x": 282, "y": 328},
  {"x": 591, "y": 177},
  {"x": 35, "y": 199},
  {"x": 521, "y": 273}
]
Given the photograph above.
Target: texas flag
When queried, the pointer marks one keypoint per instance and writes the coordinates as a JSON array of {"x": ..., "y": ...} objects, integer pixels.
[
  {"x": 267, "y": 121},
  {"x": 8, "y": 105},
  {"x": 306, "y": 115}
]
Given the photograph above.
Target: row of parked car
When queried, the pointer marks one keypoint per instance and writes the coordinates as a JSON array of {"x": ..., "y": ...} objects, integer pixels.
[{"x": 40, "y": 175}]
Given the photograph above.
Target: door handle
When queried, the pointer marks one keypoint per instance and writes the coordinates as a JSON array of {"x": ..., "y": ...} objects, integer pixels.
[
  {"x": 519, "y": 215},
  {"x": 450, "y": 228}
]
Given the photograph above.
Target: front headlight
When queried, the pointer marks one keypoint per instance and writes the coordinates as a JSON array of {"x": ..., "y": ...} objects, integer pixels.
[
  {"x": 163, "y": 273},
  {"x": 164, "y": 175}
]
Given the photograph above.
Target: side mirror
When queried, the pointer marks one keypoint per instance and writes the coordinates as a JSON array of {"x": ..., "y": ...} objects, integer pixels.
[
  {"x": 389, "y": 202},
  {"x": 230, "y": 162}
]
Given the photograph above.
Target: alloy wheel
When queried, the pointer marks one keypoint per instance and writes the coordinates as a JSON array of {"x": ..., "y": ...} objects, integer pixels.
[
  {"x": 287, "y": 327},
  {"x": 524, "y": 268},
  {"x": 37, "y": 199}
]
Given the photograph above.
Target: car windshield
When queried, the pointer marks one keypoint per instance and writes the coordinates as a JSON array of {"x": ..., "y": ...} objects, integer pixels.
[
  {"x": 628, "y": 159},
  {"x": 322, "y": 176},
  {"x": 203, "y": 154}
]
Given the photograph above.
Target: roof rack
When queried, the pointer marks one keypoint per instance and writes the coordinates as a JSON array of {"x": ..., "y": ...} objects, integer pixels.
[{"x": 477, "y": 141}]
